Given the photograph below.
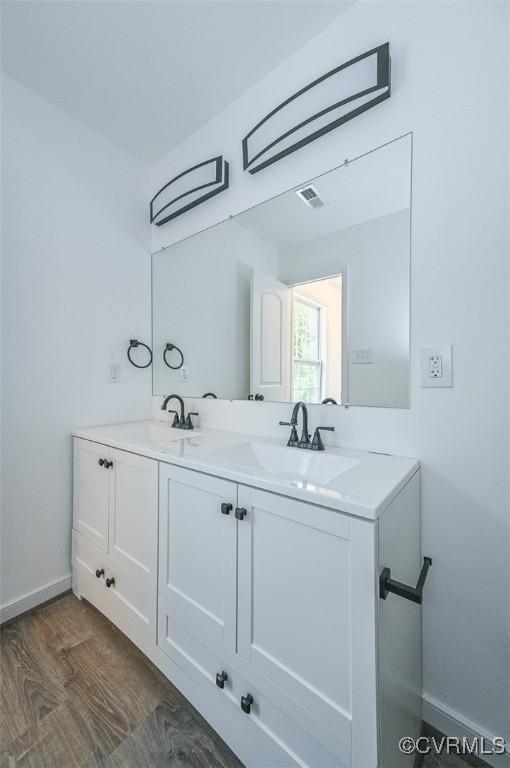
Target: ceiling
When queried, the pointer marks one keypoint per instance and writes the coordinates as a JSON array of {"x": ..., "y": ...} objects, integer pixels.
[
  {"x": 145, "y": 74},
  {"x": 375, "y": 185}
]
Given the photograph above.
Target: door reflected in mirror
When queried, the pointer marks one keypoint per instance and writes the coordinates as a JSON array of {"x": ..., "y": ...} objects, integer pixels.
[{"x": 304, "y": 297}]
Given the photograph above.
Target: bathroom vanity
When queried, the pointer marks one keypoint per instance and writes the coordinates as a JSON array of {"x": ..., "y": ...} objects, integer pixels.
[{"x": 248, "y": 572}]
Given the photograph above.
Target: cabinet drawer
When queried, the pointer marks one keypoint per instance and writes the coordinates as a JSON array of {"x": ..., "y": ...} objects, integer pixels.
[
  {"x": 128, "y": 602},
  {"x": 87, "y": 559},
  {"x": 291, "y": 737},
  {"x": 298, "y": 745}
]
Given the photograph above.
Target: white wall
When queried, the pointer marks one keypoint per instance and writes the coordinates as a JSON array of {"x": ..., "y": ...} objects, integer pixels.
[
  {"x": 450, "y": 88},
  {"x": 76, "y": 287}
]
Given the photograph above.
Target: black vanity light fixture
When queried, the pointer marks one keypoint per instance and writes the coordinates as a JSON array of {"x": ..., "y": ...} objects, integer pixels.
[
  {"x": 188, "y": 189},
  {"x": 319, "y": 107}
]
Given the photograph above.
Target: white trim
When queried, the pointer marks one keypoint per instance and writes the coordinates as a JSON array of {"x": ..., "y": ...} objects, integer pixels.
[
  {"x": 31, "y": 600},
  {"x": 452, "y": 723}
]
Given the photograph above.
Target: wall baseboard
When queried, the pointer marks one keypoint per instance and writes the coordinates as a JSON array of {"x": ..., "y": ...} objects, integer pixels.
[
  {"x": 451, "y": 723},
  {"x": 31, "y": 600}
]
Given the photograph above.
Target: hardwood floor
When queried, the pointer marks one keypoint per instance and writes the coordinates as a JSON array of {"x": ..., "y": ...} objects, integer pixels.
[{"x": 76, "y": 693}]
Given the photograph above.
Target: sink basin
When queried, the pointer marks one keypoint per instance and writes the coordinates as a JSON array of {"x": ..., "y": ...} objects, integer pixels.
[{"x": 315, "y": 467}]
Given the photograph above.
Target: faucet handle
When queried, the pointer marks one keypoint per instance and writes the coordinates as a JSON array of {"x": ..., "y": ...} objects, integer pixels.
[
  {"x": 175, "y": 422},
  {"x": 189, "y": 422},
  {"x": 293, "y": 439},
  {"x": 317, "y": 444}
]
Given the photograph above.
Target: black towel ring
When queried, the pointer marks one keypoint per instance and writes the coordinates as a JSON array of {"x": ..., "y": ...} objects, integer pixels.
[
  {"x": 133, "y": 343},
  {"x": 329, "y": 401},
  {"x": 210, "y": 394},
  {"x": 169, "y": 347}
]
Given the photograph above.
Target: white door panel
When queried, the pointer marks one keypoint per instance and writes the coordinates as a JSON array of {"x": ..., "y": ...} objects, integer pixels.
[
  {"x": 296, "y": 600},
  {"x": 134, "y": 515},
  {"x": 91, "y": 491},
  {"x": 270, "y": 337},
  {"x": 198, "y": 552}
]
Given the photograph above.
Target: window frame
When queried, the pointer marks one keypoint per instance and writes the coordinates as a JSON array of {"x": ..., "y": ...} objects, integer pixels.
[{"x": 319, "y": 362}]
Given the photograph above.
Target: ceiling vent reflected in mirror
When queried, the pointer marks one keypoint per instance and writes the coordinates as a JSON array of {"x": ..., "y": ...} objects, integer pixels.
[{"x": 310, "y": 196}]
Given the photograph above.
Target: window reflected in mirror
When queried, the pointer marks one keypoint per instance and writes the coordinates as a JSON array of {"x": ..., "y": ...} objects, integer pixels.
[{"x": 317, "y": 340}]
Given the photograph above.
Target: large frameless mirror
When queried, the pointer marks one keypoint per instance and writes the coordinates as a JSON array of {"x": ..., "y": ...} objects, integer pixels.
[{"x": 303, "y": 297}]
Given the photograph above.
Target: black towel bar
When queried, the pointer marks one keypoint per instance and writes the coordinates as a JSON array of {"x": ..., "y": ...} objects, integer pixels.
[{"x": 387, "y": 584}]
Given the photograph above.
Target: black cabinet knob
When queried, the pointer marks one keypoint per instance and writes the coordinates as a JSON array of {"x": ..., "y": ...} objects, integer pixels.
[
  {"x": 246, "y": 702},
  {"x": 110, "y": 582},
  {"x": 108, "y": 464},
  {"x": 99, "y": 573},
  {"x": 226, "y": 508},
  {"x": 240, "y": 513},
  {"x": 101, "y": 462},
  {"x": 221, "y": 677}
]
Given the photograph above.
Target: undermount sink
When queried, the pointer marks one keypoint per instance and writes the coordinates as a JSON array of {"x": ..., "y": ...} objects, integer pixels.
[{"x": 292, "y": 463}]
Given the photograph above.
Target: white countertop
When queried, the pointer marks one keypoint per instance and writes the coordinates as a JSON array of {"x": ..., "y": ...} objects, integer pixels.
[{"x": 366, "y": 485}]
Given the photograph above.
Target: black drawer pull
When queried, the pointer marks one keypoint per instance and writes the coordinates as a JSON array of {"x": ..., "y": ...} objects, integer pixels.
[
  {"x": 240, "y": 513},
  {"x": 99, "y": 573},
  {"x": 226, "y": 508},
  {"x": 108, "y": 464},
  {"x": 110, "y": 582},
  {"x": 246, "y": 702},
  {"x": 387, "y": 584},
  {"x": 101, "y": 462},
  {"x": 221, "y": 677}
]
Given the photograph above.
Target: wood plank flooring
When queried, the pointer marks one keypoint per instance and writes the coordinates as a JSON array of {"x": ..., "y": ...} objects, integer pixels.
[{"x": 76, "y": 693}]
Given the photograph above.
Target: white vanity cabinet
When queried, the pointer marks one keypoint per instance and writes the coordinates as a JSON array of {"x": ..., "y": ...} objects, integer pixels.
[
  {"x": 279, "y": 598},
  {"x": 115, "y": 534},
  {"x": 262, "y": 607}
]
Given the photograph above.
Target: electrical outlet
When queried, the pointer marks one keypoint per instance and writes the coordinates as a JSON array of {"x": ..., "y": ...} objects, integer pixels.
[
  {"x": 114, "y": 373},
  {"x": 436, "y": 366},
  {"x": 183, "y": 370}
]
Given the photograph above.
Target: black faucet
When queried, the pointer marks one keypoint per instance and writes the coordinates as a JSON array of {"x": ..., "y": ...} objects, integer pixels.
[
  {"x": 180, "y": 421},
  {"x": 304, "y": 442}
]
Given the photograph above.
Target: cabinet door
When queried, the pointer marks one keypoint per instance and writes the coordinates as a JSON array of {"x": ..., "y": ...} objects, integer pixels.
[
  {"x": 134, "y": 514},
  {"x": 91, "y": 491},
  {"x": 197, "y": 557},
  {"x": 306, "y": 608}
]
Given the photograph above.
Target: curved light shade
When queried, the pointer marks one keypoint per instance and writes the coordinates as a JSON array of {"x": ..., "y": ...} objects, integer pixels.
[
  {"x": 321, "y": 106},
  {"x": 188, "y": 189}
]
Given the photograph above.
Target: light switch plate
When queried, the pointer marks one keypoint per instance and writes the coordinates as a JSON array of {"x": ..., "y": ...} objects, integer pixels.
[
  {"x": 436, "y": 366},
  {"x": 114, "y": 373},
  {"x": 362, "y": 357}
]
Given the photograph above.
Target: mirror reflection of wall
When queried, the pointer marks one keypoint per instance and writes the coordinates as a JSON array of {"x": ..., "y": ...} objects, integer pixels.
[{"x": 304, "y": 297}]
